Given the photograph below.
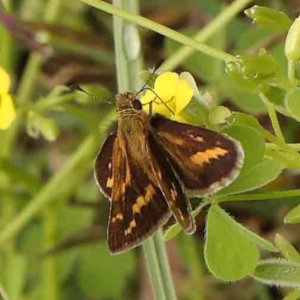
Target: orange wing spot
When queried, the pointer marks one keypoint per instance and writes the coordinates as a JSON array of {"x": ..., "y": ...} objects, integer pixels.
[
  {"x": 150, "y": 191},
  {"x": 204, "y": 157},
  {"x": 136, "y": 208},
  {"x": 119, "y": 216},
  {"x": 131, "y": 226},
  {"x": 110, "y": 182}
]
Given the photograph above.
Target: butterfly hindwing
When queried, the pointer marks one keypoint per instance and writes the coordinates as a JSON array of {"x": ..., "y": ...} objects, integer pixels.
[
  {"x": 138, "y": 207},
  {"x": 204, "y": 160},
  {"x": 171, "y": 187}
]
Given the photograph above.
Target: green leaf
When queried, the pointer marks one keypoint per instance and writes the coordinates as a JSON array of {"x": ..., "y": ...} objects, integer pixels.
[
  {"x": 229, "y": 254},
  {"x": 38, "y": 124},
  {"x": 252, "y": 71},
  {"x": 281, "y": 273},
  {"x": 275, "y": 95},
  {"x": 286, "y": 249},
  {"x": 292, "y": 102},
  {"x": 252, "y": 142},
  {"x": 247, "y": 120},
  {"x": 268, "y": 17},
  {"x": 293, "y": 217},
  {"x": 240, "y": 95},
  {"x": 259, "y": 241},
  {"x": 101, "y": 275},
  {"x": 218, "y": 115},
  {"x": 255, "y": 177}
]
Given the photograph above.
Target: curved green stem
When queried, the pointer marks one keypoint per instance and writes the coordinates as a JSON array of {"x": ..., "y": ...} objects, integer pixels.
[
  {"x": 172, "y": 34},
  {"x": 128, "y": 62},
  {"x": 153, "y": 269},
  {"x": 273, "y": 116},
  {"x": 205, "y": 33},
  {"x": 163, "y": 261},
  {"x": 261, "y": 196},
  {"x": 48, "y": 193}
]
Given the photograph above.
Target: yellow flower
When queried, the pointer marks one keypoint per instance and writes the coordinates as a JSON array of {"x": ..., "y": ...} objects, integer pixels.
[
  {"x": 170, "y": 95},
  {"x": 7, "y": 110}
]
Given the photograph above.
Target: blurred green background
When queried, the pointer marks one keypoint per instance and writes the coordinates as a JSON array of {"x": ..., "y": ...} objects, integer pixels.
[{"x": 47, "y": 155}]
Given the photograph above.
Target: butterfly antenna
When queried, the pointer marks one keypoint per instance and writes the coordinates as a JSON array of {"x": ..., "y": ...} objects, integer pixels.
[
  {"x": 150, "y": 78},
  {"x": 75, "y": 87}
]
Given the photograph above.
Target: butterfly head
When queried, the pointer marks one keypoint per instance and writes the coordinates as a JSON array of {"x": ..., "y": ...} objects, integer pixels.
[{"x": 128, "y": 102}]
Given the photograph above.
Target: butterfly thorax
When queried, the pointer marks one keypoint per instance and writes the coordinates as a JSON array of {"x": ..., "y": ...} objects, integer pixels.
[{"x": 133, "y": 128}]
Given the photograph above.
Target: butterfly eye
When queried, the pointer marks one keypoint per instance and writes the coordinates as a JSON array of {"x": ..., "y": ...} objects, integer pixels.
[{"x": 136, "y": 104}]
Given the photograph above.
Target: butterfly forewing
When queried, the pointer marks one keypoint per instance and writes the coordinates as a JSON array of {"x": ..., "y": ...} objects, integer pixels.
[
  {"x": 103, "y": 166},
  {"x": 204, "y": 160}
]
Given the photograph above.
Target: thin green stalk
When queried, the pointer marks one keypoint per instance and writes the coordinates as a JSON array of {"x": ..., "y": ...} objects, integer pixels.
[
  {"x": 48, "y": 193},
  {"x": 273, "y": 116},
  {"x": 128, "y": 62},
  {"x": 261, "y": 196},
  {"x": 163, "y": 261},
  {"x": 172, "y": 34},
  {"x": 153, "y": 269},
  {"x": 50, "y": 263},
  {"x": 205, "y": 33},
  {"x": 8, "y": 5},
  {"x": 195, "y": 286},
  {"x": 3, "y": 294},
  {"x": 120, "y": 56},
  {"x": 272, "y": 146}
]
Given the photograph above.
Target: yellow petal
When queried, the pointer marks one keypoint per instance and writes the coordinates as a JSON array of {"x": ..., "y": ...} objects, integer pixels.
[
  {"x": 179, "y": 118},
  {"x": 4, "y": 81},
  {"x": 7, "y": 111},
  {"x": 183, "y": 95},
  {"x": 147, "y": 97},
  {"x": 162, "y": 109},
  {"x": 165, "y": 85}
]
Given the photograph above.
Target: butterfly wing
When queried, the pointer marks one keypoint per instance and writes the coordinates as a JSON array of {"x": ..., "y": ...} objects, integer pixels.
[
  {"x": 103, "y": 165},
  {"x": 171, "y": 187},
  {"x": 204, "y": 160},
  {"x": 138, "y": 207}
]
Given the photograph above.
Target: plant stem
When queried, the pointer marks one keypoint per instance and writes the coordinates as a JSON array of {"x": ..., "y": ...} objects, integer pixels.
[
  {"x": 50, "y": 264},
  {"x": 261, "y": 196},
  {"x": 49, "y": 192},
  {"x": 153, "y": 269},
  {"x": 295, "y": 146},
  {"x": 205, "y": 33},
  {"x": 128, "y": 62},
  {"x": 172, "y": 34},
  {"x": 164, "y": 266},
  {"x": 273, "y": 116}
]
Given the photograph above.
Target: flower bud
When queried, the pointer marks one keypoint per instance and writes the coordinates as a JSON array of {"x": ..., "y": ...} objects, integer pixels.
[{"x": 292, "y": 42}]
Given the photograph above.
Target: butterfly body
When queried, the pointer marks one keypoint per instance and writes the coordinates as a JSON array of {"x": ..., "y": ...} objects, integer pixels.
[{"x": 149, "y": 165}]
